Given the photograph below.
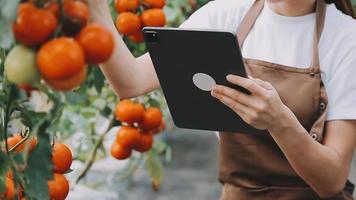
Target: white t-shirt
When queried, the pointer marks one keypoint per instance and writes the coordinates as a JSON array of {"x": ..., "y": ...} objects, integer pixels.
[{"x": 288, "y": 41}]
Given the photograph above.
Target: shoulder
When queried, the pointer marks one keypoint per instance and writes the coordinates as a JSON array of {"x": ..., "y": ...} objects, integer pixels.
[
  {"x": 219, "y": 14},
  {"x": 338, "y": 50},
  {"x": 340, "y": 29},
  {"x": 338, "y": 41}
]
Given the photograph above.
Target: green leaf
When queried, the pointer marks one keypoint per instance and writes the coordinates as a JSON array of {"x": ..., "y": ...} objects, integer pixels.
[
  {"x": 99, "y": 80},
  {"x": 39, "y": 169},
  {"x": 3, "y": 170},
  {"x": 160, "y": 147},
  {"x": 168, "y": 155},
  {"x": 154, "y": 102},
  {"x": 30, "y": 118},
  {"x": 75, "y": 98},
  {"x": 88, "y": 112},
  {"x": 106, "y": 112},
  {"x": 2, "y": 56},
  {"x": 154, "y": 167}
]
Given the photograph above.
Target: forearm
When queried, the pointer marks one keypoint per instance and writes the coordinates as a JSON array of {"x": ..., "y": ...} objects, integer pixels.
[
  {"x": 319, "y": 166},
  {"x": 128, "y": 76},
  {"x": 324, "y": 167}
]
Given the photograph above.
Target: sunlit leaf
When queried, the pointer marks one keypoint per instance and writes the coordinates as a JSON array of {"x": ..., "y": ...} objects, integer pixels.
[
  {"x": 154, "y": 167},
  {"x": 168, "y": 154}
]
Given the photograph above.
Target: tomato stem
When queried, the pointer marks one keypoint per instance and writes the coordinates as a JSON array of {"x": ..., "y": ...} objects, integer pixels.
[
  {"x": 97, "y": 146},
  {"x": 24, "y": 139},
  {"x": 61, "y": 18},
  {"x": 8, "y": 112}
]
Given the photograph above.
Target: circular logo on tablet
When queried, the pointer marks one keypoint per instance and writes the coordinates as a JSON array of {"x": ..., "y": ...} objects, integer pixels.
[{"x": 203, "y": 81}]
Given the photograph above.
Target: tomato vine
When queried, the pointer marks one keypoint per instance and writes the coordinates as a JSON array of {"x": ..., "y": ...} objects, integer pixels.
[{"x": 49, "y": 115}]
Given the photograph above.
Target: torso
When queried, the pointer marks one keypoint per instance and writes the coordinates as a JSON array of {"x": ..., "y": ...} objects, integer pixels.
[
  {"x": 251, "y": 164},
  {"x": 287, "y": 41}
]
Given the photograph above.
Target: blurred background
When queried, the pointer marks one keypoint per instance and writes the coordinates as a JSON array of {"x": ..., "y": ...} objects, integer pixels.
[
  {"x": 190, "y": 172},
  {"x": 186, "y": 167},
  {"x": 182, "y": 164}
]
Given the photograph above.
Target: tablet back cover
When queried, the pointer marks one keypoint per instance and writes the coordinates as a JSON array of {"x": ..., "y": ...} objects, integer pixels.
[{"x": 177, "y": 56}]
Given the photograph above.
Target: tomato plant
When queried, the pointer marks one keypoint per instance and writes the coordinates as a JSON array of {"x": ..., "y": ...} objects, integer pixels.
[{"x": 51, "y": 91}]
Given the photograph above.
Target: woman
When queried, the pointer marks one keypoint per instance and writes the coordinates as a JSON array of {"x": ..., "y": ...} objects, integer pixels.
[{"x": 306, "y": 114}]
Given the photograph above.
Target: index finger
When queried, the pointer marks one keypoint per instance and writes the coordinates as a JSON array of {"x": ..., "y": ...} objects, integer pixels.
[{"x": 246, "y": 83}]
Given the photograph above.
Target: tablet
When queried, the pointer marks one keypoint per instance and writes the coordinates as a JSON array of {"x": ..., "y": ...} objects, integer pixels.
[{"x": 188, "y": 63}]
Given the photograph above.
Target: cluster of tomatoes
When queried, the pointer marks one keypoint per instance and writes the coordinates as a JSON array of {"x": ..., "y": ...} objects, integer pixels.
[
  {"x": 61, "y": 159},
  {"x": 56, "y": 44},
  {"x": 135, "y": 14},
  {"x": 139, "y": 125},
  {"x": 12, "y": 142}
]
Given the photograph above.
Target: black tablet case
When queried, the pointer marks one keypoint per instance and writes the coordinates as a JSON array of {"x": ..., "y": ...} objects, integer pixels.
[{"x": 181, "y": 53}]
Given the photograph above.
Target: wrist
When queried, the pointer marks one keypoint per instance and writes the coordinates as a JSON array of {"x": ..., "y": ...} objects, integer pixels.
[
  {"x": 284, "y": 122},
  {"x": 99, "y": 11}
]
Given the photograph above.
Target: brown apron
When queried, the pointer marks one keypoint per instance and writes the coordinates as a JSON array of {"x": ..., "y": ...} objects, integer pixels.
[{"x": 251, "y": 165}]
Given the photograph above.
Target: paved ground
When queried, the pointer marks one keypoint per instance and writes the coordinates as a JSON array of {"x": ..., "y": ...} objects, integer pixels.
[
  {"x": 190, "y": 175},
  {"x": 193, "y": 172}
]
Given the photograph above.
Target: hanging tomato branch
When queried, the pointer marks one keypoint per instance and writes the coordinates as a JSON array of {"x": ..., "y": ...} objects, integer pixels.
[{"x": 52, "y": 87}]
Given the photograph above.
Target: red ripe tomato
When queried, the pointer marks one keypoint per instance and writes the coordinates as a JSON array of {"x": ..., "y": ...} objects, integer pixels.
[
  {"x": 33, "y": 25},
  {"x": 153, "y": 17},
  {"x": 119, "y": 152},
  {"x": 126, "y": 5},
  {"x": 69, "y": 83},
  {"x": 27, "y": 88},
  {"x": 10, "y": 189},
  {"x": 53, "y": 7},
  {"x": 129, "y": 112},
  {"x": 152, "y": 119},
  {"x": 61, "y": 158},
  {"x": 137, "y": 38},
  {"x": 145, "y": 143},
  {"x": 98, "y": 43},
  {"x": 128, "y": 23},
  {"x": 58, "y": 187},
  {"x": 16, "y": 138},
  {"x": 128, "y": 137},
  {"x": 77, "y": 9},
  {"x": 159, "y": 129},
  {"x": 155, "y": 3},
  {"x": 60, "y": 58}
]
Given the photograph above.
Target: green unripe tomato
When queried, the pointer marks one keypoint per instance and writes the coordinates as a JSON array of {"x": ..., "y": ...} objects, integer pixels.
[{"x": 20, "y": 65}]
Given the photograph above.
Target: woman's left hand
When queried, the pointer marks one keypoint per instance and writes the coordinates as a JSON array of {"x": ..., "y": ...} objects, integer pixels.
[{"x": 262, "y": 109}]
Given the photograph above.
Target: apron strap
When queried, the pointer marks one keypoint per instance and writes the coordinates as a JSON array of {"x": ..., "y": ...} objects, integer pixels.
[
  {"x": 319, "y": 26},
  {"x": 252, "y": 14},
  {"x": 249, "y": 20}
]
